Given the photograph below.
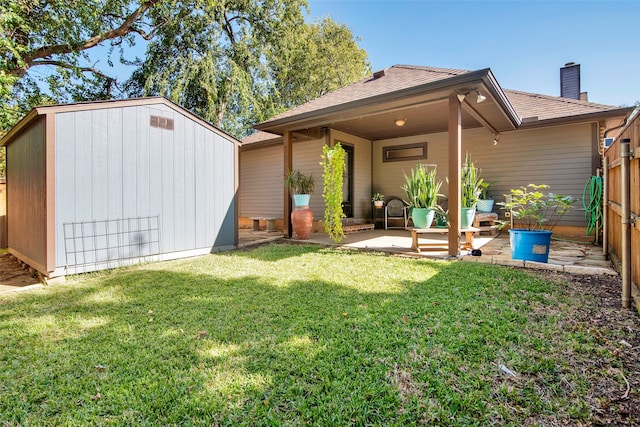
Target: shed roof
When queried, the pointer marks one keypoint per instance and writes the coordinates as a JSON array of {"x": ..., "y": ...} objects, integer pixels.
[{"x": 96, "y": 105}]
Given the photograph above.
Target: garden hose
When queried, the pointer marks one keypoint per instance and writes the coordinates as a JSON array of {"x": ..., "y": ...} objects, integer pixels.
[{"x": 593, "y": 210}]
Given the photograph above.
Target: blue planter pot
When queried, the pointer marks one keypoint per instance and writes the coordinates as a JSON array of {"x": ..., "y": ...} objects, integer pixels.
[
  {"x": 466, "y": 217},
  {"x": 422, "y": 217},
  {"x": 301, "y": 199},
  {"x": 484, "y": 205},
  {"x": 530, "y": 245}
]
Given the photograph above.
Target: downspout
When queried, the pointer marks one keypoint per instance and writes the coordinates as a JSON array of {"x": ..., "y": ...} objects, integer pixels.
[{"x": 625, "y": 256}]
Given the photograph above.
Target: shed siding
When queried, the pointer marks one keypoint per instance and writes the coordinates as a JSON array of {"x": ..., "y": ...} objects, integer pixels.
[
  {"x": 26, "y": 194},
  {"x": 261, "y": 174},
  {"x": 111, "y": 164},
  {"x": 560, "y": 157}
]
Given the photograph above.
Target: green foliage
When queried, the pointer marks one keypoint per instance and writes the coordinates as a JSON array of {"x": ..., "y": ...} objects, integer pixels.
[
  {"x": 299, "y": 183},
  {"x": 333, "y": 167},
  {"x": 377, "y": 197},
  {"x": 312, "y": 60},
  {"x": 45, "y": 48},
  {"x": 536, "y": 210},
  {"x": 239, "y": 63},
  {"x": 234, "y": 63},
  {"x": 472, "y": 185},
  {"x": 422, "y": 188}
]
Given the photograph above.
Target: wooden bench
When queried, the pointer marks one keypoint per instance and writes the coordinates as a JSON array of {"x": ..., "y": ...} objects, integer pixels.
[
  {"x": 417, "y": 246},
  {"x": 271, "y": 223}
]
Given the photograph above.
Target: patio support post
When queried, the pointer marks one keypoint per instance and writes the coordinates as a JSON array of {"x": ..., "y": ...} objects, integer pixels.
[
  {"x": 288, "y": 165},
  {"x": 455, "y": 156}
]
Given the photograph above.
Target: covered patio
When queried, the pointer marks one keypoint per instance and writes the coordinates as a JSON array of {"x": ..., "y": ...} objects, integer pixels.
[
  {"x": 404, "y": 115},
  {"x": 395, "y": 105}
]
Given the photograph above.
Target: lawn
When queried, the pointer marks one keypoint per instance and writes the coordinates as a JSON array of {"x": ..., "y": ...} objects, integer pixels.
[{"x": 293, "y": 335}]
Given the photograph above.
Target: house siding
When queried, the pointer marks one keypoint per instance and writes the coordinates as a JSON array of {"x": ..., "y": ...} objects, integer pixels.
[
  {"x": 261, "y": 175},
  {"x": 26, "y": 195},
  {"x": 307, "y": 157},
  {"x": 560, "y": 156},
  {"x": 261, "y": 185},
  {"x": 112, "y": 165}
]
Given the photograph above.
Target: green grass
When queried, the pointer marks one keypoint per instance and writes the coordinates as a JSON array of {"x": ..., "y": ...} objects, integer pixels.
[{"x": 292, "y": 335}]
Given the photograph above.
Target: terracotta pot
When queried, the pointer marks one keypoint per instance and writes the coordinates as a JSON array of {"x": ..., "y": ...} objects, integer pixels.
[{"x": 302, "y": 221}]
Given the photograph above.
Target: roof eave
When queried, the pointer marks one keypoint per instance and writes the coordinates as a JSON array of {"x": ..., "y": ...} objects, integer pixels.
[
  {"x": 484, "y": 75},
  {"x": 588, "y": 117}
]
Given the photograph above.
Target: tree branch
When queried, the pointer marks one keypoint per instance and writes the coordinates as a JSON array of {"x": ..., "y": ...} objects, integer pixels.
[
  {"x": 74, "y": 67},
  {"x": 46, "y": 51}
]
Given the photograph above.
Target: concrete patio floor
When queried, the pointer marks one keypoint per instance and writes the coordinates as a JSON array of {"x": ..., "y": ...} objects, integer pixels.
[{"x": 564, "y": 256}]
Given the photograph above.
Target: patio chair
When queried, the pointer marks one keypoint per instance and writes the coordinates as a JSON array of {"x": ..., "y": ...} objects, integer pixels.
[{"x": 395, "y": 209}]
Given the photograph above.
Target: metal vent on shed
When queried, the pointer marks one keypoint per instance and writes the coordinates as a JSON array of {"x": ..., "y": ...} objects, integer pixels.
[{"x": 161, "y": 122}]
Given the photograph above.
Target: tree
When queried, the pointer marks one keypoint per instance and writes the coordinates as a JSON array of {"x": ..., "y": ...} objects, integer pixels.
[
  {"x": 236, "y": 63},
  {"x": 314, "y": 60},
  {"x": 54, "y": 36}
]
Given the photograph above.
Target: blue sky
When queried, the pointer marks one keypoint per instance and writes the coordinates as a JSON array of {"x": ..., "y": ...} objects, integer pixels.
[{"x": 523, "y": 42}]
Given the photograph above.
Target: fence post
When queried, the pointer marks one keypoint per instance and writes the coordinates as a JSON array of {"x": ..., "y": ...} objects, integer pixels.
[
  {"x": 625, "y": 256},
  {"x": 605, "y": 207}
]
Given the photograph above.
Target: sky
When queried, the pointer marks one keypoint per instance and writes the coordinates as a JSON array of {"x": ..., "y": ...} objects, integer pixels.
[{"x": 525, "y": 43}]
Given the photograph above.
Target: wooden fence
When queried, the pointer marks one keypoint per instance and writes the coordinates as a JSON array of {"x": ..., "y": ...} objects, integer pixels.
[
  {"x": 3, "y": 214},
  {"x": 615, "y": 225}
]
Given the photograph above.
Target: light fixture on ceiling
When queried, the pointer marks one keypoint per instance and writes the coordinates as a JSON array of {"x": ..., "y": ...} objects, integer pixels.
[
  {"x": 400, "y": 122},
  {"x": 495, "y": 138},
  {"x": 480, "y": 98}
]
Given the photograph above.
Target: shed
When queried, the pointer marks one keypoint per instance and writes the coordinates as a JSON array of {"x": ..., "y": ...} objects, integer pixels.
[{"x": 97, "y": 185}]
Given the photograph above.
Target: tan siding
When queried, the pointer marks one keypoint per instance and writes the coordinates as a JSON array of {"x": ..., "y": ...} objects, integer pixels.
[
  {"x": 388, "y": 177},
  {"x": 306, "y": 157},
  {"x": 26, "y": 194},
  {"x": 261, "y": 190},
  {"x": 560, "y": 157}
]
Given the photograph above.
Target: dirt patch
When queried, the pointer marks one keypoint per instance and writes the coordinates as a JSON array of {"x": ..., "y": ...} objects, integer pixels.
[
  {"x": 614, "y": 395},
  {"x": 14, "y": 275}
]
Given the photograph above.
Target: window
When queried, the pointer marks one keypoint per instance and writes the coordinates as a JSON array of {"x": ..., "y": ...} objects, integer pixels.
[{"x": 397, "y": 153}]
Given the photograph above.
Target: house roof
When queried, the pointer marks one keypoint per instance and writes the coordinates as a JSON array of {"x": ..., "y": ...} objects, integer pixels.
[
  {"x": 506, "y": 109},
  {"x": 96, "y": 105}
]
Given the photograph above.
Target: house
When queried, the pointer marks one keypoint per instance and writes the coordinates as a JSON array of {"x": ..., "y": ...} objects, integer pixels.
[
  {"x": 101, "y": 184},
  {"x": 406, "y": 114}
]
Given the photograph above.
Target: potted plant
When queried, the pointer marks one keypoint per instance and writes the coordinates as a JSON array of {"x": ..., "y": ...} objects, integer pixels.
[
  {"x": 300, "y": 188},
  {"x": 422, "y": 190},
  {"x": 378, "y": 200},
  {"x": 485, "y": 204},
  {"x": 537, "y": 213},
  {"x": 300, "y": 184},
  {"x": 471, "y": 187}
]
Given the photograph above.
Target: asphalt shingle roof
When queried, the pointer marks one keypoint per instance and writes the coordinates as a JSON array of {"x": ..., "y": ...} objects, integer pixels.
[{"x": 400, "y": 77}]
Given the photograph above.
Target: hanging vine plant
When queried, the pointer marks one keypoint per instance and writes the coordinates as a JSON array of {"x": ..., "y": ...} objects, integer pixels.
[{"x": 333, "y": 168}]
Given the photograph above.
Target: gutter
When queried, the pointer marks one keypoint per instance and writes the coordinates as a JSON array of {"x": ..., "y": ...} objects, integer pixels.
[{"x": 577, "y": 118}]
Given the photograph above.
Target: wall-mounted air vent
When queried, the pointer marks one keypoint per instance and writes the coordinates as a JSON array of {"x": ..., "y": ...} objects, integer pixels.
[{"x": 161, "y": 122}]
